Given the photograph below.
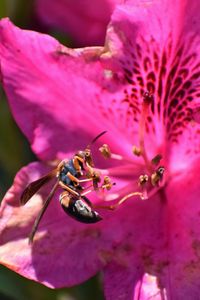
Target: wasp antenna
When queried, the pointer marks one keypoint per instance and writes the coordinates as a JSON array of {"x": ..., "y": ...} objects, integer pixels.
[{"x": 97, "y": 137}]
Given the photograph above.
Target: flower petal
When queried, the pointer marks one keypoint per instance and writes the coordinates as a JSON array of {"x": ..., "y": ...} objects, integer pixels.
[
  {"x": 120, "y": 280},
  {"x": 55, "y": 92},
  {"x": 140, "y": 249},
  {"x": 85, "y": 21},
  {"x": 157, "y": 45},
  {"x": 180, "y": 276},
  {"x": 162, "y": 241}
]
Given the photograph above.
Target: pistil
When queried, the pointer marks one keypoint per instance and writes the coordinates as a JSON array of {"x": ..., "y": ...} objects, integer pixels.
[{"x": 147, "y": 101}]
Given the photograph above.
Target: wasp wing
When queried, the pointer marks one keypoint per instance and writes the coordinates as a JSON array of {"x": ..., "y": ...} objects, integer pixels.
[{"x": 34, "y": 186}]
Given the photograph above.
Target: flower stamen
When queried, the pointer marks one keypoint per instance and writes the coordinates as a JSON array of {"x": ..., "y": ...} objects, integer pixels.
[
  {"x": 148, "y": 183},
  {"x": 142, "y": 182},
  {"x": 157, "y": 176},
  {"x": 136, "y": 151},
  {"x": 114, "y": 206},
  {"x": 156, "y": 160},
  {"x": 141, "y": 195},
  {"x": 106, "y": 185},
  {"x": 106, "y": 152}
]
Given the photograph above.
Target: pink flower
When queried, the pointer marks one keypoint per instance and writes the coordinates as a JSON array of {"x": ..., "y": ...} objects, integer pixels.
[
  {"x": 61, "y": 99},
  {"x": 84, "y": 20}
]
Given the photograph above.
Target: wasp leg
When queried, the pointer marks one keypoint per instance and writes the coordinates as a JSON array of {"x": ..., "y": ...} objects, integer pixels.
[
  {"x": 86, "y": 192},
  {"x": 95, "y": 179},
  {"x": 65, "y": 198},
  {"x": 76, "y": 180},
  {"x": 39, "y": 217},
  {"x": 107, "y": 185},
  {"x": 66, "y": 187}
]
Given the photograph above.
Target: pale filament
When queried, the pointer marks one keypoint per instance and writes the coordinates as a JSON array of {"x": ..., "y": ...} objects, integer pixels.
[
  {"x": 121, "y": 158},
  {"x": 143, "y": 117},
  {"x": 123, "y": 170}
]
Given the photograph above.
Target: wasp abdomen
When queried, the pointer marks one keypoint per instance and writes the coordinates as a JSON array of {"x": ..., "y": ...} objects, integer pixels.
[{"x": 81, "y": 211}]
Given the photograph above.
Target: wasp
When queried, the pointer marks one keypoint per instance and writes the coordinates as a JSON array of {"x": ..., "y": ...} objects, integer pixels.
[{"x": 71, "y": 176}]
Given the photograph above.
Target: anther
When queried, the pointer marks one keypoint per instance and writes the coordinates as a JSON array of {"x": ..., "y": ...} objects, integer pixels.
[
  {"x": 143, "y": 179},
  {"x": 95, "y": 176},
  {"x": 105, "y": 151},
  {"x": 136, "y": 151},
  {"x": 157, "y": 176},
  {"x": 91, "y": 173},
  {"x": 142, "y": 182},
  {"x": 107, "y": 183},
  {"x": 156, "y": 160}
]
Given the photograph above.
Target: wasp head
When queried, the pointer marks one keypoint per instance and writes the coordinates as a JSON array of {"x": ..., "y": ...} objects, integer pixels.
[{"x": 86, "y": 156}]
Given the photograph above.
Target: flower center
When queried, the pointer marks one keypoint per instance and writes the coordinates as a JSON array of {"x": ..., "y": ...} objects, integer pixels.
[{"x": 150, "y": 175}]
